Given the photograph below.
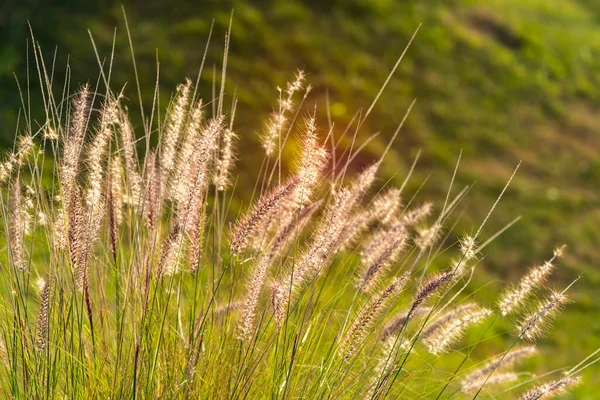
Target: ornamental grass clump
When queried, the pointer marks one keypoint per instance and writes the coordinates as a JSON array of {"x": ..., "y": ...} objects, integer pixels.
[{"x": 155, "y": 283}]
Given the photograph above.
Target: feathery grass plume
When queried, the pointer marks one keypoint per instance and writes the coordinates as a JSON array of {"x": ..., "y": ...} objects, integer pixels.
[
  {"x": 448, "y": 329},
  {"x": 87, "y": 297},
  {"x": 27, "y": 209},
  {"x": 279, "y": 304},
  {"x": 96, "y": 153},
  {"x": 226, "y": 160},
  {"x": 386, "y": 205},
  {"x": 245, "y": 228},
  {"x": 532, "y": 325},
  {"x": 169, "y": 257},
  {"x": 382, "y": 209},
  {"x": 379, "y": 239},
  {"x": 477, "y": 378},
  {"x": 296, "y": 224},
  {"x": 448, "y": 316},
  {"x": 325, "y": 240},
  {"x": 25, "y": 146},
  {"x": 42, "y": 317},
  {"x": 276, "y": 246},
  {"x": 362, "y": 183},
  {"x": 195, "y": 171},
  {"x": 132, "y": 175},
  {"x": 152, "y": 190},
  {"x": 329, "y": 234},
  {"x": 400, "y": 320},
  {"x": 185, "y": 154},
  {"x": 15, "y": 160},
  {"x": 113, "y": 202},
  {"x": 16, "y": 229},
  {"x": 193, "y": 188},
  {"x": 73, "y": 143},
  {"x": 49, "y": 132},
  {"x": 278, "y": 119},
  {"x": 551, "y": 389},
  {"x": 468, "y": 248},
  {"x": 536, "y": 276},
  {"x": 255, "y": 285},
  {"x": 385, "y": 257},
  {"x": 430, "y": 286},
  {"x": 371, "y": 311},
  {"x": 115, "y": 186},
  {"x": 194, "y": 231},
  {"x": 5, "y": 170},
  {"x": 176, "y": 117},
  {"x": 60, "y": 229},
  {"x": 313, "y": 160},
  {"x": 77, "y": 234}
]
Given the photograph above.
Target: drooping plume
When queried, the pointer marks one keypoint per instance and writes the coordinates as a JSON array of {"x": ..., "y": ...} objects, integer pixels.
[
  {"x": 402, "y": 319},
  {"x": 386, "y": 255},
  {"x": 246, "y": 226},
  {"x": 366, "y": 318},
  {"x": 450, "y": 327},
  {"x": 294, "y": 226},
  {"x": 516, "y": 296},
  {"x": 382, "y": 210},
  {"x": 430, "y": 286},
  {"x": 551, "y": 389},
  {"x": 380, "y": 239},
  {"x": 532, "y": 325}
]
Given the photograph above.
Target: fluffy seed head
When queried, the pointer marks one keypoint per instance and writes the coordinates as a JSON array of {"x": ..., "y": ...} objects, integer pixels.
[
  {"x": 366, "y": 318},
  {"x": 551, "y": 389},
  {"x": 385, "y": 257},
  {"x": 255, "y": 285},
  {"x": 430, "y": 286},
  {"x": 531, "y": 326},
  {"x": 173, "y": 127},
  {"x": 513, "y": 298},
  {"x": 246, "y": 227},
  {"x": 468, "y": 248},
  {"x": 226, "y": 160},
  {"x": 449, "y": 328}
]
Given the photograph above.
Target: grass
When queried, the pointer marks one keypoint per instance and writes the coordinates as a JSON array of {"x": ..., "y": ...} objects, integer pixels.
[
  {"x": 502, "y": 81},
  {"x": 147, "y": 276}
]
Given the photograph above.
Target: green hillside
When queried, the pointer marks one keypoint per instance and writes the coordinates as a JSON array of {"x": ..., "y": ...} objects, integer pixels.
[{"x": 501, "y": 80}]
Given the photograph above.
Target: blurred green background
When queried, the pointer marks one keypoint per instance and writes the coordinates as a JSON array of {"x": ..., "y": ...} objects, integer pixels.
[{"x": 503, "y": 80}]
